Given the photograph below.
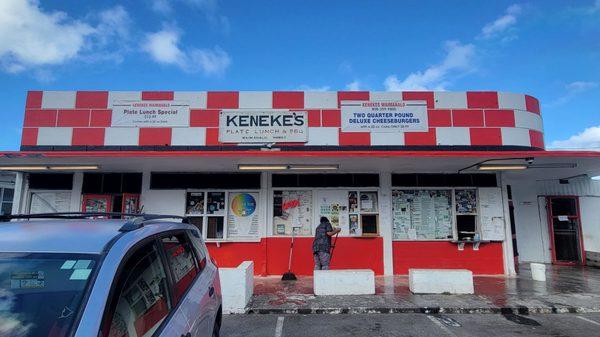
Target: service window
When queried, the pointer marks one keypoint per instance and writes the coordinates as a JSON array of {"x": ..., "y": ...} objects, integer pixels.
[
  {"x": 466, "y": 213},
  {"x": 182, "y": 261},
  {"x": 141, "y": 301},
  {"x": 292, "y": 211},
  {"x": 224, "y": 215}
]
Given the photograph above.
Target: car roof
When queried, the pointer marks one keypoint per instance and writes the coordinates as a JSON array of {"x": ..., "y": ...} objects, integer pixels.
[{"x": 62, "y": 236}]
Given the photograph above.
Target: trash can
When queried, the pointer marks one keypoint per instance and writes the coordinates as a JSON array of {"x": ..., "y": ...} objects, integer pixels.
[{"x": 538, "y": 272}]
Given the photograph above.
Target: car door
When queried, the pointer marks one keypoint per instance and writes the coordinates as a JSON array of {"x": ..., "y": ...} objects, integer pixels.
[
  {"x": 191, "y": 290},
  {"x": 141, "y": 304}
]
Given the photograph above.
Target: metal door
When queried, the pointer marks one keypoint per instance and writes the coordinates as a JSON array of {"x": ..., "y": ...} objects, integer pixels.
[{"x": 565, "y": 230}]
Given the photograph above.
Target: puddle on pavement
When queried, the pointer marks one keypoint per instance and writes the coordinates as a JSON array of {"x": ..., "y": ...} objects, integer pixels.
[{"x": 521, "y": 320}]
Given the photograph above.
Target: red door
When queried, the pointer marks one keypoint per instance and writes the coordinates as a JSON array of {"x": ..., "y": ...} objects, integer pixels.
[{"x": 564, "y": 224}]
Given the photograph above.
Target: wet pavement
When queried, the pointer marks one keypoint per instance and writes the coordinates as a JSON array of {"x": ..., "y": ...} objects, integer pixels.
[
  {"x": 567, "y": 290},
  {"x": 452, "y": 325}
]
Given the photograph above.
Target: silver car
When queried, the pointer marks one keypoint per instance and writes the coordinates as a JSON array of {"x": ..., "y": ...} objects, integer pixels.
[{"x": 83, "y": 277}]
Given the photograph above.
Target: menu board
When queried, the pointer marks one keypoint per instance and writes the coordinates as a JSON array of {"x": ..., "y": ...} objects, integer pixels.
[
  {"x": 491, "y": 214},
  {"x": 194, "y": 203},
  {"x": 242, "y": 218},
  {"x": 292, "y": 211},
  {"x": 466, "y": 201},
  {"x": 422, "y": 214},
  {"x": 50, "y": 202},
  {"x": 334, "y": 206},
  {"x": 215, "y": 203}
]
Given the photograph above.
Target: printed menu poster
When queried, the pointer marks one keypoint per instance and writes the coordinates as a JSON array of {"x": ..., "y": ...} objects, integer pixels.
[
  {"x": 334, "y": 206},
  {"x": 50, "y": 202},
  {"x": 242, "y": 219},
  {"x": 466, "y": 201},
  {"x": 422, "y": 214},
  {"x": 296, "y": 213}
]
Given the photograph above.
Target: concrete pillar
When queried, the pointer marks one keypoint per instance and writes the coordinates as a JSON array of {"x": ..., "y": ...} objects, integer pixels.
[
  {"x": 385, "y": 220},
  {"x": 507, "y": 245},
  {"x": 76, "y": 192},
  {"x": 19, "y": 199},
  {"x": 264, "y": 204}
]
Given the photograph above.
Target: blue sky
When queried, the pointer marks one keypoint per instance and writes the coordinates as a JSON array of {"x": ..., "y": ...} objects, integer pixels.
[{"x": 549, "y": 49}]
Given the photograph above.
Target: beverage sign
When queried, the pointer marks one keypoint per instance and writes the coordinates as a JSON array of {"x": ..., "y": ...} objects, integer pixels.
[
  {"x": 150, "y": 114},
  {"x": 384, "y": 116},
  {"x": 263, "y": 126}
]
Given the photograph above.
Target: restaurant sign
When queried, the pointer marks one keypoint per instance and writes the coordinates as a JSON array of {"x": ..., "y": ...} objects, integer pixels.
[
  {"x": 150, "y": 114},
  {"x": 263, "y": 126},
  {"x": 384, "y": 116}
]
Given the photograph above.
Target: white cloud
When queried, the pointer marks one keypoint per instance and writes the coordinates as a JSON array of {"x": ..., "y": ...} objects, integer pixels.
[
  {"x": 503, "y": 23},
  {"x": 458, "y": 60},
  {"x": 589, "y": 139},
  {"x": 355, "y": 85},
  {"x": 163, "y": 47},
  {"x": 30, "y": 37},
  {"x": 571, "y": 91}
]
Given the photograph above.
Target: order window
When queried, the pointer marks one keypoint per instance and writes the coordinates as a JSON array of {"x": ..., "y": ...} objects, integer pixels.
[{"x": 221, "y": 215}]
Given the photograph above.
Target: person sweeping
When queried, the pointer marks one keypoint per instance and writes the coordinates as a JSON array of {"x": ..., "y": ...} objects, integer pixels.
[{"x": 322, "y": 244}]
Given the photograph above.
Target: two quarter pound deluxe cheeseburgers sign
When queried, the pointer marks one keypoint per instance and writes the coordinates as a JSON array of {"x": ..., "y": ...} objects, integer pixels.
[{"x": 384, "y": 116}]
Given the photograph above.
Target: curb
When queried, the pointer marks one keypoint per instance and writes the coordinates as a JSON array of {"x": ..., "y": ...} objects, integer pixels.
[{"x": 424, "y": 310}]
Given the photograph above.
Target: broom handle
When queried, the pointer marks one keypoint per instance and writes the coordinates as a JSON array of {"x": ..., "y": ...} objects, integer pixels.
[
  {"x": 333, "y": 246},
  {"x": 291, "y": 252}
]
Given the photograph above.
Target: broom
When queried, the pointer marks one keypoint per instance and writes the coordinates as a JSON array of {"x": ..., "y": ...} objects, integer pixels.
[{"x": 289, "y": 276}]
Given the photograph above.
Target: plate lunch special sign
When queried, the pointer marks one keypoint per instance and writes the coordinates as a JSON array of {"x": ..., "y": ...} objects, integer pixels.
[
  {"x": 150, "y": 114},
  {"x": 384, "y": 116}
]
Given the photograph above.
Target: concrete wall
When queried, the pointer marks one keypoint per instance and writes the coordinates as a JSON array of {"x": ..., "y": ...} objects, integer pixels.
[
  {"x": 529, "y": 200},
  {"x": 589, "y": 205}
]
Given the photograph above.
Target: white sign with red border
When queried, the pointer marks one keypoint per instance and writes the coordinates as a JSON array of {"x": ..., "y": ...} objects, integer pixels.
[
  {"x": 150, "y": 114},
  {"x": 384, "y": 116}
]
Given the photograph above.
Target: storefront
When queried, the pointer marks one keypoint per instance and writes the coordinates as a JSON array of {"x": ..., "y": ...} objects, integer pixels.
[{"x": 413, "y": 179}]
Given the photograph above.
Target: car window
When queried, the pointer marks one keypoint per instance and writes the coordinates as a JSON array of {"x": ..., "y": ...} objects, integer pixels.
[
  {"x": 200, "y": 248},
  {"x": 42, "y": 293},
  {"x": 141, "y": 299},
  {"x": 182, "y": 261}
]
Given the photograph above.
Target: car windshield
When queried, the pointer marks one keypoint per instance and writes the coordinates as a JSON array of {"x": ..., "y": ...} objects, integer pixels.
[{"x": 40, "y": 294}]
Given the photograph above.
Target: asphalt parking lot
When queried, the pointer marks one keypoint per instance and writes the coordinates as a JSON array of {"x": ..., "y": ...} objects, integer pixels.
[{"x": 394, "y": 325}]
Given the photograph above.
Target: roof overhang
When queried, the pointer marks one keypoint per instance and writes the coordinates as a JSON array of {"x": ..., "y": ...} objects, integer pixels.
[{"x": 585, "y": 162}]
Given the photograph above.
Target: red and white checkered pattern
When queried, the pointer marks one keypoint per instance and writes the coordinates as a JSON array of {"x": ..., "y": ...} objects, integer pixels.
[{"x": 83, "y": 118}]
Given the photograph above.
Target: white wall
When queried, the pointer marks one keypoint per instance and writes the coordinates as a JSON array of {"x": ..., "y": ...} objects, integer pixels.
[
  {"x": 590, "y": 222},
  {"x": 589, "y": 204},
  {"x": 161, "y": 201},
  {"x": 531, "y": 229},
  {"x": 533, "y": 237}
]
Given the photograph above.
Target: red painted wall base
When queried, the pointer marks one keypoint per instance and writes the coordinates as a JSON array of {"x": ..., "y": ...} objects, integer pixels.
[
  {"x": 271, "y": 255},
  {"x": 487, "y": 260}
]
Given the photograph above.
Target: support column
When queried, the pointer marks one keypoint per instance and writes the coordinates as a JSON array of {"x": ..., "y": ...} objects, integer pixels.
[
  {"x": 385, "y": 220},
  {"x": 20, "y": 193},
  {"x": 76, "y": 192},
  {"x": 507, "y": 244}
]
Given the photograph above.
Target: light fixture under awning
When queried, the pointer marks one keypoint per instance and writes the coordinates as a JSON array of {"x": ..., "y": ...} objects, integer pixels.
[
  {"x": 292, "y": 167},
  {"x": 21, "y": 168},
  {"x": 501, "y": 167}
]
